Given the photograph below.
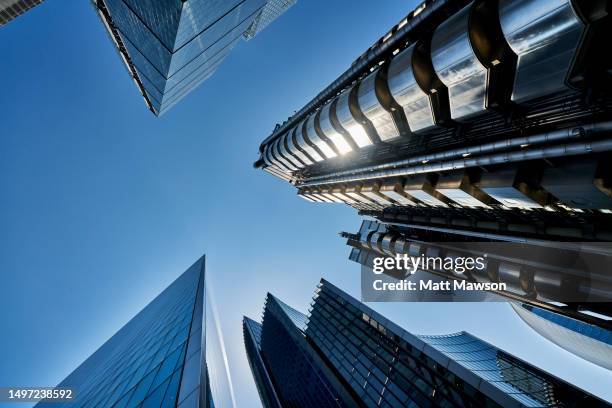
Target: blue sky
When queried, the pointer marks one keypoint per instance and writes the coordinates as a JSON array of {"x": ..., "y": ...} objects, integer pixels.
[{"x": 102, "y": 205}]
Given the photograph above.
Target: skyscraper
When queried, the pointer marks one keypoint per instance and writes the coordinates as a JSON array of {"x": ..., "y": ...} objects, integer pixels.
[
  {"x": 483, "y": 121},
  {"x": 589, "y": 341},
  {"x": 344, "y": 354},
  {"x": 169, "y": 355},
  {"x": 171, "y": 46},
  {"x": 10, "y": 9}
]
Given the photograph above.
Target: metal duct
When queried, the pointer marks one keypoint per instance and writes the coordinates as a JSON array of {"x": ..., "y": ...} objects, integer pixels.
[
  {"x": 306, "y": 146},
  {"x": 501, "y": 158},
  {"x": 327, "y": 128},
  {"x": 395, "y": 191},
  {"x": 408, "y": 93},
  {"x": 371, "y": 107},
  {"x": 525, "y": 141},
  {"x": 311, "y": 135},
  {"x": 292, "y": 147},
  {"x": 545, "y": 35},
  {"x": 458, "y": 67},
  {"x": 349, "y": 122}
]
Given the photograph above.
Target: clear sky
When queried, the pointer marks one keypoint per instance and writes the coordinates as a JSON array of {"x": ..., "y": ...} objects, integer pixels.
[{"x": 102, "y": 205}]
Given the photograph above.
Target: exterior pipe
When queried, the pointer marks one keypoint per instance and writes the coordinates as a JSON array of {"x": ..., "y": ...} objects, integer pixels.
[
  {"x": 542, "y": 138},
  {"x": 572, "y": 149},
  {"x": 570, "y": 246}
]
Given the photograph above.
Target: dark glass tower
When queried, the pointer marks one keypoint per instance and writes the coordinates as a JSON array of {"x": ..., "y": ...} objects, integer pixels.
[
  {"x": 345, "y": 355},
  {"x": 10, "y": 9},
  {"x": 169, "y": 355},
  {"x": 171, "y": 46}
]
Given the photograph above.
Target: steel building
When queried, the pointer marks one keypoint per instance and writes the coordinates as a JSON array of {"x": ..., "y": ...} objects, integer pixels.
[
  {"x": 484, "y": 121},
  {"x": 171, "y": 354},
  {"x": 169, "y": 47},
  {"x": 344, "y": 354},
  {"x": 10, "y": 9}
]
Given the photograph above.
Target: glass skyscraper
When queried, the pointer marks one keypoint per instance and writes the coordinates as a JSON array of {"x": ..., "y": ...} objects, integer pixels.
[
  {"x": 587, "y": 340},
  {"x": 169, "y": 355},
  {"x": 171, "y": 46},
  {"x": 344, "y": 354},
  {"x": 10, "y": 9}
]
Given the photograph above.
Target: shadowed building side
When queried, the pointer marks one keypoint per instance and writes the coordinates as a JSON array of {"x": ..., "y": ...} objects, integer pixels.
[{"x": 365, "y": 360}]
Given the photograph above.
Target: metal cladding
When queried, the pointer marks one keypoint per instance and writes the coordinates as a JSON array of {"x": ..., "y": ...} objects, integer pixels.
[
  {"x": 512, "y": 187},
  {"x": 372, "y": 192},
  {"x": 328, "y": 130},
  {"x": 408, "y": 93},
  {"x": 507, "y": 263},
  {"x": 284, "y": 148},
  {"x": 291, "y": 162},
  {"x": 372, "y": 108},
  {"x": 422, "y": 188},
  {"x": 355, "y": 193},
  {"x": 311, "y": 135},
  {"x": 349, "y": 122},
  {"x": 498, "y": 116},
  {"x": 281, "y": 160},
  {"x": 580, "y": 184},
  {"x": 395, "y": 191},
  {"x": 459, "y": 188},
  {"x": 545, "y": 36},
  {"x": 482, "y": 61},
  {"x": 293, "y": 148},
  {"x": 458, "y": 67},
  {"x": 306, "y": 146}
]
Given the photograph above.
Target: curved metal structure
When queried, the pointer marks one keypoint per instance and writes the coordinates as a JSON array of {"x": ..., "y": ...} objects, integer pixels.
[
  {"x": 458, "y": 66},
  {"x": 585, "y": 340},
  {"x": 311, "y": 135},
  {"x": 293, "y": 154},
  {"x": 294, "y": 148},
  {"x": 347, "y": 120},
  {"x": 545, "y": 36},
  {"x": 327, "y": 128},
  {"x": 371, "y": 106},
  {"x": 306, "y": 146},
  {"x": 409, "y": 93}
]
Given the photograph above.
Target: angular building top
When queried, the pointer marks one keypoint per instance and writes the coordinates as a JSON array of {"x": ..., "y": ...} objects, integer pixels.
[
  {"x": 349, "y": 355},
  {"x": 166, "y": 356},
  {"x": 171, "y": 46},
  {"x": 271, "y": 11},
  {"x": 10, "y": 9}
]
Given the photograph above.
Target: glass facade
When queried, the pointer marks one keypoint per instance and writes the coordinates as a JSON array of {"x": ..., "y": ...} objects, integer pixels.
[
  {"x": 378, "y": 364},
  {"x": 171, "y": 46},
  {"x": 297, "y": 374},
  {"x": 157, "y": 358},
  {"x": 10, "y": 9},
  {"x": 588, "y": 341}
]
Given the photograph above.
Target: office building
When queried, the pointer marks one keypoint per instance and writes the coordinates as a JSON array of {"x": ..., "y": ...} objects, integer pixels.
[
  {"x": 344, "y": 354},
  {"x": 171, "y": 354},
  {"x": 169, "y": 47},
  {"x": 10, "y": 9},
  {"x": 485, "y": 121},
  {"x": 589, "y": 341}
]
